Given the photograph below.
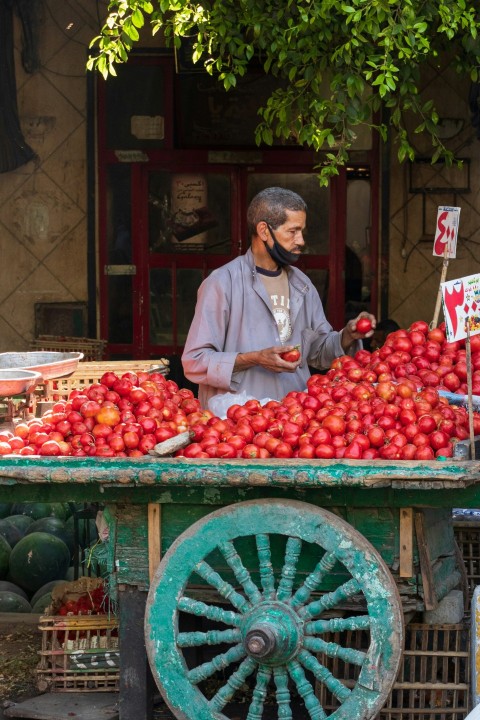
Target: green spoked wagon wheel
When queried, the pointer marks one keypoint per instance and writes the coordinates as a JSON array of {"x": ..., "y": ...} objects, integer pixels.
[{"x": 266, "y": 629}]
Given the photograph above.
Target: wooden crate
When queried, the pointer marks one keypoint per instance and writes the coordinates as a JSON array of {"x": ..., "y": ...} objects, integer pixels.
[
  {"x": 88, "y": 373},
  {"x": 433, "y": 679},
  {"x": 92, "y": 349},
  {"x": 79, "y": 654}
]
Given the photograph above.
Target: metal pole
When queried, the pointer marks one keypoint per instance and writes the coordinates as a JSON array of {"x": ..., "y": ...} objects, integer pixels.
[{"x": 469, "y": 386}]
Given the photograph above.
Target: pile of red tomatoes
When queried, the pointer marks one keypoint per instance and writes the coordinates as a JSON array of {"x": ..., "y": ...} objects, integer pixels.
[
  {"x": 117, "y": 417},
  {"x": 339, "y": 419},
  {"x": 421, "y": 355},
  {"x": 382, "y": 405},
  {"x": 93, "y": 602}
]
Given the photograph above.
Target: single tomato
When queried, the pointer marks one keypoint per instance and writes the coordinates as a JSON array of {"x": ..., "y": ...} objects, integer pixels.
[
  {"x": 292, "y": 355},
  {"x": 364, "y": 325}
]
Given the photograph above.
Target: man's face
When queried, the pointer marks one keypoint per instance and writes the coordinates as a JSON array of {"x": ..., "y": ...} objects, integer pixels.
[{"x": 290, "y": 234}]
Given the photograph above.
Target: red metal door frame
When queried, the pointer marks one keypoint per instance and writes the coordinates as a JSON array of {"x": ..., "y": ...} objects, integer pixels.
[{"x": 272, "y": 160}]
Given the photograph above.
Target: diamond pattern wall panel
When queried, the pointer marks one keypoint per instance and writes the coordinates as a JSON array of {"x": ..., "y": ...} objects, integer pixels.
[{"x": 43, "y": 228}]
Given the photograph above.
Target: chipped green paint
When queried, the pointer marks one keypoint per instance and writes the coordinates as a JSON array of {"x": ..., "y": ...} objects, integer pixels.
[
  {"x": 273, "y": 630},
  {"x": 148, "y": 471}
]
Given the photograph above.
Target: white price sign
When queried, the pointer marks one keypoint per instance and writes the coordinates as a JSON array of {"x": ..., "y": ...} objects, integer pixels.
[
  {"x": 461, "y": 306},
  {"x": 445, "y": 243}
]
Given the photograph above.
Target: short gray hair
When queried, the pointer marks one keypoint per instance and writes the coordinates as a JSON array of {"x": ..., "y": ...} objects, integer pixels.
[{"x": 271, "y": 205}]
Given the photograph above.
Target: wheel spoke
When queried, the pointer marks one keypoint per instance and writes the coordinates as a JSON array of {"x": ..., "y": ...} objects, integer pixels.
[
  {"x": 220, "y": 662},
  {"x": 265, "y": 566},
  {"x": 234, "y": 683},
  {"x": 282, "y": 694},
  {"x": 323, "y": 675},
  {"x": 330, "y": 600},
  {"x": 211, "y": 637},
  {"x": 211, "y": 612},
  {"x": 213, "y": 578},
  {"x": 255, "y": 711},
  {"x": 314, "y": 580},
  {"x": 348, "y": 655},
  {"x": 305, "y": 689},
  {"x": 241, "y": 573},
  {"x": 289, "y": 570},
  {"x": 356, "y": 622}
]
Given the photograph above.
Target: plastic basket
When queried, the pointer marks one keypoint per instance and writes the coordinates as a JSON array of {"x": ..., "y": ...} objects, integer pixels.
[{"x": 79, "y": 654}]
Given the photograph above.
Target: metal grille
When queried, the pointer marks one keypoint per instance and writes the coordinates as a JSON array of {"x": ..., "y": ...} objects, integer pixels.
[{"x": 433, "y": 679}]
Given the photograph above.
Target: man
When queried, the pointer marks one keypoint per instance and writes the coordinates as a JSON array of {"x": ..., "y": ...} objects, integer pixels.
[{"x": 259, "y": 306}]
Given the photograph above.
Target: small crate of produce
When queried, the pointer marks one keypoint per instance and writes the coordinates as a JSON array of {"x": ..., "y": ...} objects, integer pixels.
[
  {"x": 80, "y": 652},
  {"x": 91, "y": 348},
  {"x": 88, "y": 373}
]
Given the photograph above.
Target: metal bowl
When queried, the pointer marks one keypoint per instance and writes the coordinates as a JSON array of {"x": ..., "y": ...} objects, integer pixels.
[
  {"x": 18, "y": 382},
  {"x": 49, "y": 364}
]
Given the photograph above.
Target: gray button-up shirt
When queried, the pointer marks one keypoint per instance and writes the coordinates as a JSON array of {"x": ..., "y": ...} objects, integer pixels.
[{"x": 234, "y": 315}]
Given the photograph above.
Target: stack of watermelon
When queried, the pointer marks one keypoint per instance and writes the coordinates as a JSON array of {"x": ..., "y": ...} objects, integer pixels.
[{"x": 36, "y": 552}]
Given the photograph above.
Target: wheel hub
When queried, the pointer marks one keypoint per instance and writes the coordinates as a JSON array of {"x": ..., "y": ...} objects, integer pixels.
[{"x": 272, "y": 633}]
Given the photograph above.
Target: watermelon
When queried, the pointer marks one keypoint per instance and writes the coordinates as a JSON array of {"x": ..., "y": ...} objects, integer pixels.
[
  {"x": 53, "y": 526},
  {"x": 10, "y": 602},
  {"x": 38, "y": 558},
  {"x": 5, "y": 509},
  {"x": 40, "y": 510},
  {"x": 22, "y": 522},
  {"x": 5, "y": 552},
  {"x": 10, "y": 587},
  {"x": 42, "y": 603},
  {"x": 10, "y": 532},
  {"x": 47, "y": 588}
]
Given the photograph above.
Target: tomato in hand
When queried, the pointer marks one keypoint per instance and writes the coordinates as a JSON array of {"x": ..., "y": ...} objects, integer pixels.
[
  {"x": 291, "y": 355},
  {"x": 364, "y": 325}
]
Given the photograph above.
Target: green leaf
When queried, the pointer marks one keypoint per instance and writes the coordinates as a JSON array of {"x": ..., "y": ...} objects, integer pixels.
[{"x": 137, "y": 18}]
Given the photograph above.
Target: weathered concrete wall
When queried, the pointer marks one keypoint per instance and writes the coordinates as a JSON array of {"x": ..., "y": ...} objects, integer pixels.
[
  {"x": 414, "y": 273},
  {"x": 43, "y": 228}
]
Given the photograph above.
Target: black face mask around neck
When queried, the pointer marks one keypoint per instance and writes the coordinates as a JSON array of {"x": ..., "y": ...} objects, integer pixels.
[{"x": 278, "y": 253}]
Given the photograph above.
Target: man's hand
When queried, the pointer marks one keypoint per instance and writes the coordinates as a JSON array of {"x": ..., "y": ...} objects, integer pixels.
[
  {"x": 350, "y": 332},
  {"x": 269, "y": 358}
]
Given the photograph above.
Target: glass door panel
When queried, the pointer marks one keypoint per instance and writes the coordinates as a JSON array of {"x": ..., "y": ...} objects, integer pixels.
[
  {"x": 188, "y": 282},
  {"x": 358, "y": 266},
  {"x": 189, "y": 212},
  {"x": 119, "y": 269},
  {"x": 173, "y": 295},
  {"x": 161, "y": 306}
]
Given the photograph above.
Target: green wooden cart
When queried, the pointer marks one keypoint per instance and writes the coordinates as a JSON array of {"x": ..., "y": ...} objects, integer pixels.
[{"x": 245, "y": 579}]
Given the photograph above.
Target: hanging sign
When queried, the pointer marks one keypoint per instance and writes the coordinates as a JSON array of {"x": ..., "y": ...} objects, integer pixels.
[
  {"x": 461, "y": 307},
  {"x": 445, "y": 243}
]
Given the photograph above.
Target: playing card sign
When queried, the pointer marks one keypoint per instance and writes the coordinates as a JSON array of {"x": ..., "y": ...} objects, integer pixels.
[
  {"x": 445, "y": 243},
  {"x": 461, "y": 305}
]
